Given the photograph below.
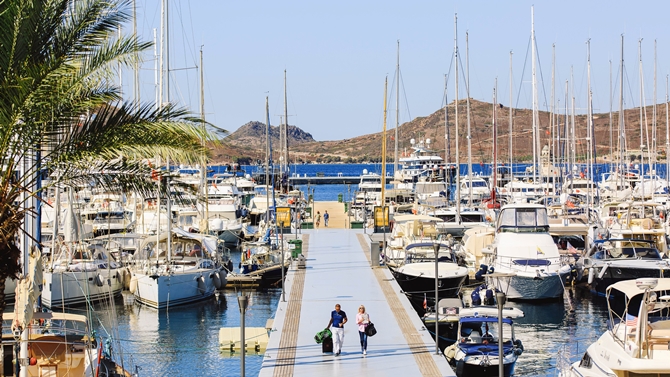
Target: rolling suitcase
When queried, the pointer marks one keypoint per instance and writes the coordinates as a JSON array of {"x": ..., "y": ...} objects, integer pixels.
[{"x": 327, "y": 345}]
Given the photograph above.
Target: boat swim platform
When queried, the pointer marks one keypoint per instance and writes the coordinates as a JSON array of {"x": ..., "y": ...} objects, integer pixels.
[{"x": 338, "y": 271}]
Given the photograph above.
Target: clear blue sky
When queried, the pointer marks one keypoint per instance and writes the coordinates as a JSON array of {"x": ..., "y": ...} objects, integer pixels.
[{"x": 337, "y": 55}]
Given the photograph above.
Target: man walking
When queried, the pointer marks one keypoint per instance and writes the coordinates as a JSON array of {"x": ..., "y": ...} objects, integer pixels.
[
  {"x": 337, "y": 319},
  {"x": 326, "y": 216}
]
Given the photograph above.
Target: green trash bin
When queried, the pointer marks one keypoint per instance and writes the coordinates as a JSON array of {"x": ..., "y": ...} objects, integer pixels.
[
  {"x": 308, "y": 211},
  {"x": 346, "y": 207},
  {"x": 296, "y": 248},
  {"x": 340, "y": 198}
]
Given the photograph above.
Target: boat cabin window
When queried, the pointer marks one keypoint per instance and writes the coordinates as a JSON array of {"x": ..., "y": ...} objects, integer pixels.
[
  {"x": 586, "y": 361},
  {"x": 523, "y": 220},
  {"x": 627, "y": 249},
  {"x": 472, "y": 218}
]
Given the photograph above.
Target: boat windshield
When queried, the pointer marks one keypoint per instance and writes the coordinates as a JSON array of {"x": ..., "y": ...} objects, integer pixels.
[
  {"x": 523, "y": 220},
  {"x": 627, "y": 249}
]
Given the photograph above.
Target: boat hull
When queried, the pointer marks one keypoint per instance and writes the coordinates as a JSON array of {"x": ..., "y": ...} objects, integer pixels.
[
  {"x": 465, "y": 369},
  {"x": 176, "y": 288},
  {"x": 77, "y": 288},
  {"x": 616, "y": 273},
  {"x": 536, "y": 288}
]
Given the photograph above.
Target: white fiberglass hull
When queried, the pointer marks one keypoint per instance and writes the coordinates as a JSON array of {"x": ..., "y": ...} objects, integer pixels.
[
  {"x": 65, "y": 288},
  {"x": 526, "y": 286},
  {"x": 176, "y": 288}
]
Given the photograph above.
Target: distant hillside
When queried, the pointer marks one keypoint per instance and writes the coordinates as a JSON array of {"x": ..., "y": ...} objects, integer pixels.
[{"x": 249, "y": 140}]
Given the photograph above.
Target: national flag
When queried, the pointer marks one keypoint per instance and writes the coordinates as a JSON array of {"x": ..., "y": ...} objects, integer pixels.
[
  {"x": 631, "y": 320},
  {"x": 539, "y": 251},
  {"x": 571, "y": 248},
  {"x": 425, "y": 302}
]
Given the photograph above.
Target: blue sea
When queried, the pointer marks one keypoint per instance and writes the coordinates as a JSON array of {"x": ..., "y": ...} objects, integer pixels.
[{"x": 183, "y": 341}]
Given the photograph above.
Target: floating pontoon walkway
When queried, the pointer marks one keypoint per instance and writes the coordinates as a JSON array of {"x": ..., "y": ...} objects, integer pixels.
[{"x": 338, "y": 271}]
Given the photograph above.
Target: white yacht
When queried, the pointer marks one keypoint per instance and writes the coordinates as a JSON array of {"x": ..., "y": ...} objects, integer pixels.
[
  {"x": 636, "y": 341},
  {"x": 523, "y": 247},
  {"x": 186, "y": 270},
  {"x": 80, "y": 274},
  {"x": 477, "y": 185},
  {"x": 420, "y": 164}
]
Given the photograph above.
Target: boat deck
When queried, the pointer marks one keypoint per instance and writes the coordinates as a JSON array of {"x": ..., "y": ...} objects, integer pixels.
[{"x": 338, "y": 271}]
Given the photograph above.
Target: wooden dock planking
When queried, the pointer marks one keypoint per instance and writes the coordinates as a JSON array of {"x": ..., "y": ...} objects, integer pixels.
[
  {"x": 289, "y": 336},
  {"x": 419, "y": 350}
]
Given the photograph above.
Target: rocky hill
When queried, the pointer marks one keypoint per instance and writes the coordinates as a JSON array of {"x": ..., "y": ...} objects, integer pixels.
[{"x": 249, "y": 140}]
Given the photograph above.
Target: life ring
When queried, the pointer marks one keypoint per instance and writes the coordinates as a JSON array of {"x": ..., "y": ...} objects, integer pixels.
[{"x": 414, "y": 211}]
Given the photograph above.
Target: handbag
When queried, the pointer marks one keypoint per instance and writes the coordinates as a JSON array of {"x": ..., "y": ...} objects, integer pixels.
[
  {"x": 370, "y": 329},
  {"x": 322, "y": 335}
]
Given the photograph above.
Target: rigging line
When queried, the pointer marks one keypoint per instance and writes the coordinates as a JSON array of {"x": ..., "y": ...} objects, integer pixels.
[
  {"x": 544, "y": 92},
  {"x": 444, "y": 95},
  {"x": 523, "y": 71},
  {"x": 402, "y": 83}
]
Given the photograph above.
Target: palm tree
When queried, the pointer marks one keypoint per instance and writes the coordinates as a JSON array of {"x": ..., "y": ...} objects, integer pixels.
[{"x": 62, "y": 116}]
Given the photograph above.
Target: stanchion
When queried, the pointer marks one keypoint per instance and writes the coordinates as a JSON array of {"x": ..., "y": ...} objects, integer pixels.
[{"x": 243, "y": 301}]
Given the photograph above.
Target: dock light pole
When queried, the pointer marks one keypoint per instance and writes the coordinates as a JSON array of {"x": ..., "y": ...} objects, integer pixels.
[
  {"x": 283, "y": 218},
  {"x": 243, "y": 301},
  {"x": 436, "y": 247},
  {"x": 500, "y": 300}
]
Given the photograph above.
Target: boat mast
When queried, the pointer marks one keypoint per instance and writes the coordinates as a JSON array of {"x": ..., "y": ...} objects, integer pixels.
[
  {"x": 447, "y": 141},
  {"x": 552, "y": 110},
  {"x": 573, "y": 135},
  {"x": 611, "y": 155},
  {"x": 458, "y": 155},
  {"x": 467, "y": 107},
  {"x": 136, "y": 72},
  {"x": 495, "y": 144},
  {"x": 639, "y": 51},
  {"x": 203, "y": 169},
  {"x": 667, "y": 136},
  {"x": 622, "y": 126},
  {"x": 167, "y": 161},
  {"x": 383, "y": 178},
  {"x": 511, "y": 120},
  {"x": 285, "y": 146},
  {"x": 536, "y": 160},
  {"x": 589, "y": 124},
  {"x": 267, "y": 160},
  {"x": 652, "y": 162},
  {"x": 397, "y": 111}
]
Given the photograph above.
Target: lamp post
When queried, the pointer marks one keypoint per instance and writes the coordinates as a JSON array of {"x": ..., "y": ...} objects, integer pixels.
[
  {"x": 500, "y": 300},
  {"x": 283, "y": 218},
  {"x": 436, "y": 247},
  {"x": 243, "y": 301}
]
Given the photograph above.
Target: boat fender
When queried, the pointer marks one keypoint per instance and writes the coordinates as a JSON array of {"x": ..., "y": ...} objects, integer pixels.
[
  {"x": 592, "y": 272},
  {"x": 519, "y": 347},
  {"x": 489, "y": 298},
  {"x": 126, "y": 279},
  {"x": 132, "y": 287},
  {"x": 450, "y": 352},
  {"x": 202, "y": 287},
  {"x": 216, "y": 279},
  {"x": 602, "y": 271},
  {"x": 476, "y": 298},
  {"x": 99, "y": 281}
]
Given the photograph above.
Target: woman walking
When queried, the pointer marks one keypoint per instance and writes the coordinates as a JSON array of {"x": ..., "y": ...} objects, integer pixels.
[
  {"x": 318, "y": 218},
  {"x": 363, "y": 319}
]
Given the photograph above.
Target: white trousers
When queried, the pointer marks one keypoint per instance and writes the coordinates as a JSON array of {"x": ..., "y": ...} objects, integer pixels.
[{"x": 338, "y": 338}]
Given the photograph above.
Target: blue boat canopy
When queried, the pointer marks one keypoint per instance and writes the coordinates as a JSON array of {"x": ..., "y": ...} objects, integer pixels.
[{"x": 485, "y": 319}]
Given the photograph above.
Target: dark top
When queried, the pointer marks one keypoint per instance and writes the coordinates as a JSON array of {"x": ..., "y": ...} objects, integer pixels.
[
  {"x": 338, "y": 317},
  {"x": 325, "y": 217}
]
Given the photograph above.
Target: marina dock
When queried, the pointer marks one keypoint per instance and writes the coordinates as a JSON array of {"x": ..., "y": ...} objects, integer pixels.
[
  {"x": 328, "y": 180},
  {"x": 338, "y": 271}
]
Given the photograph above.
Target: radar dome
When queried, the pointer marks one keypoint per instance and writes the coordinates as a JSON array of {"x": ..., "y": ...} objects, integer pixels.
[
  {"x": 412, "y": 141},
  {"x": 365, "y": 171},
  {"x": 427, "y": 141}
]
